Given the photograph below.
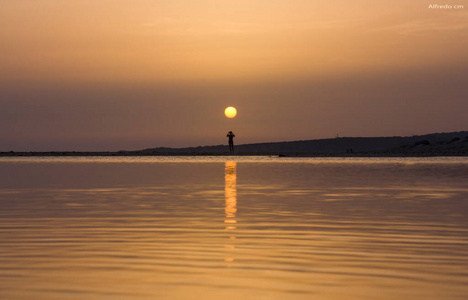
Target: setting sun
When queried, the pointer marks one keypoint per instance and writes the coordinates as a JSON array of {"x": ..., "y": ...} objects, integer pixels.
[{"x": 230, "y": 112}]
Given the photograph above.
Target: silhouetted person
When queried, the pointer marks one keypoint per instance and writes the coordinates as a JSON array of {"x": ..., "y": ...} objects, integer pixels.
[{"x": 231, "y": 136}]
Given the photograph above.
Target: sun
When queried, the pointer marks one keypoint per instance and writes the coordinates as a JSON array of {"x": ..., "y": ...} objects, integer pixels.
[{"x": 230, "y": 112}]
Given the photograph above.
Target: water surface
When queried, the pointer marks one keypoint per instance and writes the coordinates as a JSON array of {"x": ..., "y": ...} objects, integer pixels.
[{"x": 233, "y": 227}]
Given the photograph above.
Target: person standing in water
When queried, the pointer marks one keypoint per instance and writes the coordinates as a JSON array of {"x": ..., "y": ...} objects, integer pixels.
[{"x": 231, "y": 136}]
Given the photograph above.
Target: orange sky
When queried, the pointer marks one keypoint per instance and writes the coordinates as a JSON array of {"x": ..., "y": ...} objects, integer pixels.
[{"x": 110, "y": 75}]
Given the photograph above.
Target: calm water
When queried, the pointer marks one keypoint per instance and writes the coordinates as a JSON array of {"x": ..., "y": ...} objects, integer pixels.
[{"x": 233, "y": 228}]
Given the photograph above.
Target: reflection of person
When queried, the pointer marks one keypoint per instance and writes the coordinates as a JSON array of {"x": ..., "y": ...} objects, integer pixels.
[{"x": 231, "y": 136}]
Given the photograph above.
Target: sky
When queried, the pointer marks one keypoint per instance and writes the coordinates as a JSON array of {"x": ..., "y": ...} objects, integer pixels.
[{"x": 112, "y": 75}]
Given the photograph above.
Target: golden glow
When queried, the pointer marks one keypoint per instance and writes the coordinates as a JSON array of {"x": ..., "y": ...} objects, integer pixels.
[
  {"x": 230, "y": 192},
  {"x": 141, "y": 41},
  {"x": 230, "y": 112}
]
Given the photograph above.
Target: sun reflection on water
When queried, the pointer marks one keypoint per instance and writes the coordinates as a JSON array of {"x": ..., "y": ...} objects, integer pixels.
[{"x": 230, "y": 192}]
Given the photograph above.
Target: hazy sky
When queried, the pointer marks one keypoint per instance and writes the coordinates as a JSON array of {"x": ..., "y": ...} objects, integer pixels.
[{"x": 114, "y": 74}]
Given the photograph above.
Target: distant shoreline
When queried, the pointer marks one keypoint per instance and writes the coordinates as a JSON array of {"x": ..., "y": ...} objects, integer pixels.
[
  {"x": 139, "y": 153},
  {"x": 429, "y": 145}
]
